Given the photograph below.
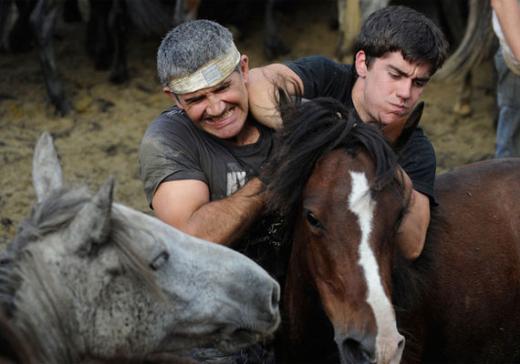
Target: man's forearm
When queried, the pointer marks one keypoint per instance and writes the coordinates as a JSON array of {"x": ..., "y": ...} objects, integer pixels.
[{"x": 226, "y": 220}]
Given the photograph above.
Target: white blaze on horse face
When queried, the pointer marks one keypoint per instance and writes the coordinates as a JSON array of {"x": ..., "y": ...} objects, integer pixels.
[{"x": 388, "y": 338}]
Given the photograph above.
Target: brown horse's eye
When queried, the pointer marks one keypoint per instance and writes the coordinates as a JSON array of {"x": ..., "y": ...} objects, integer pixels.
[{"x": 312, "y": 219}]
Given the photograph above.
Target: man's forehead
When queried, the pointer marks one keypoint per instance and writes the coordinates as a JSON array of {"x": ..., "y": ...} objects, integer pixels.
[
  {"x": 207, "y": 90},
  {"x": 209, "y": 75}
]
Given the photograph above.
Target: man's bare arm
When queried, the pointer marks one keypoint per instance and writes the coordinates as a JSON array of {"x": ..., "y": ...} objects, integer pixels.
[
  {"x": 185, "y": 204},
  {"x": 263, "y": 91}
]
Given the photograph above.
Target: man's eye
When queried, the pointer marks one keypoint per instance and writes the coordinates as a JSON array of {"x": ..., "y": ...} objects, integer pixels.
[
  {"x": 223, "y": 88},
  {"x": 194, "y": 101}
]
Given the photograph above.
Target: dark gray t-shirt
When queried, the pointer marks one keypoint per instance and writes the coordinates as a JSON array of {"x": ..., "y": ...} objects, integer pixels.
[
  {"x": 173, "y": 148},
  {"x": 323, "y": 77}
]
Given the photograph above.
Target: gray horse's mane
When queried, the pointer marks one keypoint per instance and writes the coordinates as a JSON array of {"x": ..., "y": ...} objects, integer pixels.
[{"x": 19, "y": 264}]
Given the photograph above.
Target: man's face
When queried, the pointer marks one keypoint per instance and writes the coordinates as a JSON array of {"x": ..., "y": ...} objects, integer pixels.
[
  {"x": 391, "y": 87},
  {"x": 220, "y": 110}
]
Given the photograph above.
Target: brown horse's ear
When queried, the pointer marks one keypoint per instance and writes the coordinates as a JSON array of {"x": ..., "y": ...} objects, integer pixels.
[{"x": 410, "y": 126}]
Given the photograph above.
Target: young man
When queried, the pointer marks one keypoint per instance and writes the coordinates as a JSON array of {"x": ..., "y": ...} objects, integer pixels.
[
  {"x": 199, "y": 159},
  {"x": 397, "y": 52}
]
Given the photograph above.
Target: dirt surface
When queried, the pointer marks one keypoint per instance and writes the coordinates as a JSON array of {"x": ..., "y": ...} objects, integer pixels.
[{"x": 101, "y": 137}]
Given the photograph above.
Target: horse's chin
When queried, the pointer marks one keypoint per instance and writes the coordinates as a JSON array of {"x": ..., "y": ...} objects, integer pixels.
[
  {"x": 239, "y": 339},
  {"x": 228, "y": 340}
]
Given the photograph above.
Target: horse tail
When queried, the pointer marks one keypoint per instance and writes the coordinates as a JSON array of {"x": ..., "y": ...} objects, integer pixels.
[{"x": 478, "y": 43}]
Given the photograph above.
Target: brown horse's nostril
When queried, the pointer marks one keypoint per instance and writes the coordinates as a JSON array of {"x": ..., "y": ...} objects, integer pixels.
[{"x": 357, "y": 348}]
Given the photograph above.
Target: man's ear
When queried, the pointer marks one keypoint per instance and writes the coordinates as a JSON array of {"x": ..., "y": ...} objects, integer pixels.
[
  {"x": 167, "y": 91},
  {"x": 172, "y": 96},
  {"x": 361, "y": 64}
]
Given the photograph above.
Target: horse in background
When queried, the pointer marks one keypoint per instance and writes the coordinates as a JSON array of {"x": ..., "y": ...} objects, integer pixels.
[
  {"x": 86, "y": 279},
  {"x": 350, "y": 292},
  {"x": 108, "y": 22}
]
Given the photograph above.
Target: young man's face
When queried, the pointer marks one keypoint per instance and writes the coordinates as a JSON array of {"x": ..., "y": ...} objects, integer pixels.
[
  {"x": 391, "y": 87},
  {"x": 220, "y": 110}
]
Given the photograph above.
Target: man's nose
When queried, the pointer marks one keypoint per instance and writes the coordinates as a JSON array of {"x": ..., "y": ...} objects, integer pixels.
[{"x": 215, "y": 105}]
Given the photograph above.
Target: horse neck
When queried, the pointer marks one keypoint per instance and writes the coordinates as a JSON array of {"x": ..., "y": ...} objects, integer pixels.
[{"x": 45, "y": 314}]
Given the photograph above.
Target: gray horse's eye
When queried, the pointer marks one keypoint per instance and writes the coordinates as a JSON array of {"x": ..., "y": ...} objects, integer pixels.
[{"x": 159, "y": 260}]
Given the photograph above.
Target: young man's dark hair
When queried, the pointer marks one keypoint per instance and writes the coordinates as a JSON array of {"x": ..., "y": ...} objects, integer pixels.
[{"x": 399, "y": 28}]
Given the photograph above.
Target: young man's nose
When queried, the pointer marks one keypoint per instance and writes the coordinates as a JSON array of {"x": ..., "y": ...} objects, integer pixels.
[{"x": 404, "y": 89}]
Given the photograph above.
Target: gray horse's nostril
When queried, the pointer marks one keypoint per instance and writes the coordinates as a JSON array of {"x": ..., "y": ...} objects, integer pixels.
[
  {"x": 275, "y": 297},
  {"x": 400, "y": 344}
]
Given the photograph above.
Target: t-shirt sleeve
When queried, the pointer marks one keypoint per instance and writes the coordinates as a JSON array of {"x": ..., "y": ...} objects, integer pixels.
[
  {"x": 165, "y": 155},
  {"x": 323, "y": 77},
  {"x": 418, "y": 160}
]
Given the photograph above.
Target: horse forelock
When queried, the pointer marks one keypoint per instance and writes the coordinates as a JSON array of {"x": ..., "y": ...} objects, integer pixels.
[{"x": 311, "y": 130}]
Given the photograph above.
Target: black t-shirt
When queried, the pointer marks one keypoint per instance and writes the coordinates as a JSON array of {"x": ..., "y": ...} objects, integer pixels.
[{"x": 323, "y": 77}]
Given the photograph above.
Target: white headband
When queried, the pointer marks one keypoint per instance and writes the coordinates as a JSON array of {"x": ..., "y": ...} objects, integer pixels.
[{"x": 212, "y": 73}]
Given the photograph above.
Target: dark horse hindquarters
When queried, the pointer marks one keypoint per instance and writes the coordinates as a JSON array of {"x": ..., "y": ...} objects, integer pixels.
[
  {"x": 472, "y": 283},
  {"x": 338, "y": 183}
]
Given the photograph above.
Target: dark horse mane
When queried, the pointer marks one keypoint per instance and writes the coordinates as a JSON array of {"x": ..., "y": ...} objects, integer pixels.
[{"x": 310, "y": 130}]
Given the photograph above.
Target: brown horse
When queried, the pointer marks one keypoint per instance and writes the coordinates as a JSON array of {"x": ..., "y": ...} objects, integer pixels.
[{"x": 348, "y": 286}]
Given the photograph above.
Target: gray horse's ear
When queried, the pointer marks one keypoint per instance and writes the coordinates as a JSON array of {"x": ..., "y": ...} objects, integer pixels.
[
  {"x": 91, "y": 226},
  {"x": 47, "y": 174}
]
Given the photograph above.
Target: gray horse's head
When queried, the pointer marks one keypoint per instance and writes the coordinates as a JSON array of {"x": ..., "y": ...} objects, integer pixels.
[{"x": 86, "y": 277}]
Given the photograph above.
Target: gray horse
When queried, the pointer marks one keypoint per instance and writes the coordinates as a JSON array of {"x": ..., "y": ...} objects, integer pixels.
[{"x": 89, "y": 278}]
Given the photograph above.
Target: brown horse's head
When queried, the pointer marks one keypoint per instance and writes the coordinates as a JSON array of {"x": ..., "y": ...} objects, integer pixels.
[{"x": 338, "y": 182}]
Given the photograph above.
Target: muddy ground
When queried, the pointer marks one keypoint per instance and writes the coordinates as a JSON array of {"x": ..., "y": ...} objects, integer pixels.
[{"x": 101, "y": 137}]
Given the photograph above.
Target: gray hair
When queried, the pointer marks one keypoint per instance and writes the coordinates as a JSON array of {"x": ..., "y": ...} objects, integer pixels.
[{"x": 190, "y": 46}]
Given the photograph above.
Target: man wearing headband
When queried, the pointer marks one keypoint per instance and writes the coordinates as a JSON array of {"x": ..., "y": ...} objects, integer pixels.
[
  {"x": 199, "y": 159},
  {"x": 397, "y": 52}
]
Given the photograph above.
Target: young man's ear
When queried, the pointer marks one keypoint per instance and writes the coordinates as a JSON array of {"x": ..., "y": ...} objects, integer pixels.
[{"x": 361, "y": 64}]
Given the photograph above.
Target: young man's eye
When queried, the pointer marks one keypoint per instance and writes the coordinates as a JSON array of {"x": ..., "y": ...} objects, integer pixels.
[
  {"x": 395, "y": 76},
  {"x": 420, "y": 83}
]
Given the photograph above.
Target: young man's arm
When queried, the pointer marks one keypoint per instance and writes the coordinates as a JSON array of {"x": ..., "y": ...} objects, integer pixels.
[
  {"x": 263, "y": 91},
  {"x": 185, "y": 204},
  {"x": 411, "y": 235}
]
